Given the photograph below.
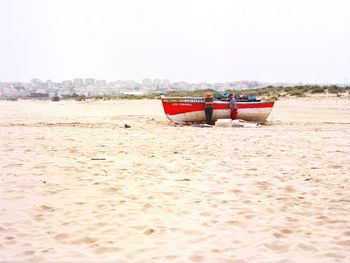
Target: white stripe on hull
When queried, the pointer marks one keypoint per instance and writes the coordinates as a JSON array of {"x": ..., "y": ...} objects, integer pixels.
[{"x": 248, "y": 114}]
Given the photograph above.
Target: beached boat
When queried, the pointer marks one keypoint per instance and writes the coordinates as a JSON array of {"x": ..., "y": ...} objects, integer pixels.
[
  {"x": 191, "y": 110},
  {"x": 80, "y": 98},
  {"x": 55, "y": 98}
]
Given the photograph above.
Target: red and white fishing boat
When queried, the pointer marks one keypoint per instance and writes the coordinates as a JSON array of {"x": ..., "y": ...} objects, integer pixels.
[{"x": 191, "y": 110}]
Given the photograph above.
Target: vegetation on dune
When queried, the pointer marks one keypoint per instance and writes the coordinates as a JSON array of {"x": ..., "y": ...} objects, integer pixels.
[
  {"x": 294, "y": 91},
  {"x": 195, "y": 93},
  {"x": 273, "y": 92}
]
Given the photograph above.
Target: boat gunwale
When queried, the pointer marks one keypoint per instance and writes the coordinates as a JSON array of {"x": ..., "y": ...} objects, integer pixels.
[{"x": 197, "y": 100}]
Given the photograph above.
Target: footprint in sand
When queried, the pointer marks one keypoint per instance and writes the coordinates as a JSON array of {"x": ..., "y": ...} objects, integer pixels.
[
  {"x": 112, "y": 190},
  {"x": 235, "y": 191},
  {"x": 334, "y": 255},
  {"x": 277, "y": 246},
  {"x": 103, "y": 250},
  {"x": 196, "y": 258},
  {"x": 26, "y": 253},
  {"x": 346, "y": 233},
  {"x": 263, "y": 185},
  {"x": 235, "y": 223},
  {"x": 61, "y": 236},
  {"x": 171, "y": 257},
  {"x": 345, "y": 243},
  {"x": 308, "y": 247},
  {"x": 39, "y": 218},
  {"x": 86, "y": 240},
  {"x": 46, "y": 208}
]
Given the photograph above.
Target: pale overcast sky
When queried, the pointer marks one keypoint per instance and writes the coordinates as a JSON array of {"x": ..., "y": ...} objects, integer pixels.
[{"x": 191, "y": 40}]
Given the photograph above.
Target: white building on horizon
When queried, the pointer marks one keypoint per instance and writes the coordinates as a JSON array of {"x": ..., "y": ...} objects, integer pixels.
[
  {"x": 100, "y": 83},
  {"x": 89, "y": 81},
  {"x": 78, "y": 82}
]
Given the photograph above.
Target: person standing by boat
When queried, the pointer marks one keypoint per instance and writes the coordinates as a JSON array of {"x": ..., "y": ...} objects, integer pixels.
[
  {"x": 233, "y": 106},
  {"x": 208, "y": 107}
]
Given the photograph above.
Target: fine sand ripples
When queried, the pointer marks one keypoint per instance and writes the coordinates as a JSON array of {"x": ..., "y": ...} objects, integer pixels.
[{"x": 74, "y": 186}]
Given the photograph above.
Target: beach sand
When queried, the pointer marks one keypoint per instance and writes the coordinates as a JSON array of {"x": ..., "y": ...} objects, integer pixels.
[{"x": 76, "y": 187}]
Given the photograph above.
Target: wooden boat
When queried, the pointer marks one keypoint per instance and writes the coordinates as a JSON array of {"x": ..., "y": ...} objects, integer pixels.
[
  {"x": 55, "y": 98},
  {"x": 191, "y": 110},
  {"x": 80, "y": 98}
]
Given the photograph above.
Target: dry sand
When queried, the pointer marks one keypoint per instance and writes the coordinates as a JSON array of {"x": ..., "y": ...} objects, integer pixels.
[{"x": 75, "y": 187}]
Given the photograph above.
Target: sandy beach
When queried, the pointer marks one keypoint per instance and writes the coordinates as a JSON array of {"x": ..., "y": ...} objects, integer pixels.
[{"x": 75, "y": 187}]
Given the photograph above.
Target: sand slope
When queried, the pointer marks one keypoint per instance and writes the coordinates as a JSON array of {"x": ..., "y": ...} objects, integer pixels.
[{"x": 76, "y": 187}]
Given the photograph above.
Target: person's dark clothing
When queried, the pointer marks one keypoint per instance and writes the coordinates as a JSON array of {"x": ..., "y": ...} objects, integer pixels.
[
  {"x": 208, "y": 114},
  {"x": 209, "y": 101}
]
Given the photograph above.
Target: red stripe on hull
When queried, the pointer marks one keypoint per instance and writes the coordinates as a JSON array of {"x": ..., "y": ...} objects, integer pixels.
[
  {"x": 173, "y": 107},
  {"x": 253, "y": 105}
]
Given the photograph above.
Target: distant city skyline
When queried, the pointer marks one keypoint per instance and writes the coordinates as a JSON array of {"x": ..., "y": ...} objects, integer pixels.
[
  {"x": 37, "y": 88},
  {"x": 345, "y": 81},
  {"x": 194, "y": 41}
]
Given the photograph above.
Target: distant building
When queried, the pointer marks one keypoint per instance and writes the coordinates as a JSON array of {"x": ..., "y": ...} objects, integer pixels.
[
  {"x": 147, "y": 83},
  {"x": 67, "y": 83},
  {"x": 89, "y": 81},
  {"x": 78, "y": 82},
  {"x": 182, "y": 85},
  {"x": 100, "y": 83},
  {"x": 130, "y": 84},
  {"x": 165, "y": 84},
  {"x": 35, "y": 81},
  {"x": 156, "y": 83},
  {"x": 38, "y": 84},
  {"x": 49, "y": 83}
]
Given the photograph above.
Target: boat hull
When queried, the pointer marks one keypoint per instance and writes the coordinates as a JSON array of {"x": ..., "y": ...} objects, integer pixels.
[{"x": 191, "y": 110}]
